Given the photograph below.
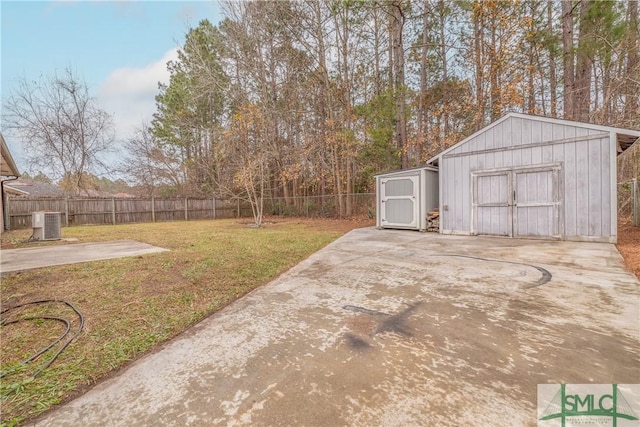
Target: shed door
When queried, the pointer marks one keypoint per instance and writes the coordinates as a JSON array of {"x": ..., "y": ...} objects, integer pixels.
[
  {"x": 399, "y": 202},
  {"x": 492, "y": 204},
  {"x": 537, "y": 205},
  {"x": 522, "y": 202}
]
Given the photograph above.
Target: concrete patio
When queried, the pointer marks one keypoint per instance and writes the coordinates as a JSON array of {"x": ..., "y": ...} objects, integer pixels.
[{"x": 14, "y": 260}]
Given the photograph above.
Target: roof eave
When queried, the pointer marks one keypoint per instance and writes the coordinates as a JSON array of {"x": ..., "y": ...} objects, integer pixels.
[
  {"x": 397, "y": 171},
  {"x": 7, "y": 160},
  {"x": 15, "y": 191}
]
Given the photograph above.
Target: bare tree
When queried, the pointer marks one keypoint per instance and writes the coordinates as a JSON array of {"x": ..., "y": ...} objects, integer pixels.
[
  {"x": 398, "y": 19},
  {"x": 150, "y": 163},
  {"x": 292, "y": 98},
  {"x": 249, "y": 155},
  {"x": 568, "y": 59},
  {"x": 63, "y": 130},
  {"x": 633, "y": 67},
  {"x": 479, "y": 63},
  {"x": 551, "y": 47},
  {"x": 584, "y": 65}
]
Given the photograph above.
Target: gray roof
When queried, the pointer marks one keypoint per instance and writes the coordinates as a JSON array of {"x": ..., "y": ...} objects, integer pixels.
[{"x": 34, "y": 188}]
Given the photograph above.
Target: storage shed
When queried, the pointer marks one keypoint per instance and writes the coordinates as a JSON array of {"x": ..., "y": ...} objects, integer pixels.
[
  {"x": 536, "y": 177},
  {"x": 405, "y": 197}
]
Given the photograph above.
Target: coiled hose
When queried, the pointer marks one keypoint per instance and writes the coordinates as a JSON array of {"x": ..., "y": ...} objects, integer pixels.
[{"x": 65, "y": 335}]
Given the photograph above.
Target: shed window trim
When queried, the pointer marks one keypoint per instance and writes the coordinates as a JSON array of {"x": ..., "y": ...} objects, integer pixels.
[{"x": 526, "y": 168}]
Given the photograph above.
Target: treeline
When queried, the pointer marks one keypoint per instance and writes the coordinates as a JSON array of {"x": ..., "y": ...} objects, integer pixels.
[
  {"x": 90, "y": 183},
  {"x": 295, "y": 98}
]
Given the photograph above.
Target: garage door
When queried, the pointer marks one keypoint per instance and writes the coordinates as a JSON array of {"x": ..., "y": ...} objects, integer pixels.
[
  {"x": 399, "y": 202},
  {"x": 523, "y": 202}
]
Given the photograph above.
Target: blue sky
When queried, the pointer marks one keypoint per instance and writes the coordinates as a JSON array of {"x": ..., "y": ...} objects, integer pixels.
[{"x": 120, "y": 48}]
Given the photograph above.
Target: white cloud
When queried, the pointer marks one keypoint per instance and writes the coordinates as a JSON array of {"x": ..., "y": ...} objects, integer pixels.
[{"x": 129, "y": 93}]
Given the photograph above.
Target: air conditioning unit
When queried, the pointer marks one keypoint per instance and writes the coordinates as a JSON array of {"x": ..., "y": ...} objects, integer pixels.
[{"x": 46, "y": 225}]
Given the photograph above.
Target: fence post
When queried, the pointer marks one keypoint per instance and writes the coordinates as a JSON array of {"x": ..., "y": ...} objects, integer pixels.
[
  {"x": 66, "y": 211},
  {"x": 113, "y": 210},
  {"x": 6, "y": 213},
  {"x": 238, "y": 208},
  {"x": 186, "y": 209},
  {"x": 636, "y": 203},
  {"x": 153, "y": 209},
  {"x": 214, "y": 208}
]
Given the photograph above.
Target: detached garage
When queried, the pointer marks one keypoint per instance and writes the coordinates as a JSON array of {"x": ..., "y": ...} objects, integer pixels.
[
  {"x": 536, "y": 177},
  {"x": 405, "y": 197}
]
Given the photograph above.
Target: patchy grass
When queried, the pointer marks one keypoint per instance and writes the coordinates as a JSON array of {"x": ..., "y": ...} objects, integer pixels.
[{"x": 132, "y": 304}]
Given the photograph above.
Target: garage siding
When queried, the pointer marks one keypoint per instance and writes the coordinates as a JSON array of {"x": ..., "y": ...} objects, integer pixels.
[{"x": 585, "y": 156}]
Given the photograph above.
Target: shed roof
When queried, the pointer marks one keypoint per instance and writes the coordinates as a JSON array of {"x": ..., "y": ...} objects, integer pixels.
[
  {"x": 7, "y": 165},
  {"x": 430, "y": 168},
  {"x": 624, "y": 137}
]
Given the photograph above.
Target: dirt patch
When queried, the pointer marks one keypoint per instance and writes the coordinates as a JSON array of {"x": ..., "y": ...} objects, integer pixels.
[{"x": 629, "y": 245}]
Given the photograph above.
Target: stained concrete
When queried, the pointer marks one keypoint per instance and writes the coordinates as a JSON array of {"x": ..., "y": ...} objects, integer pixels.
[
  {"x": 13, "y": 260},
  {"x": 393, "y": 328}
]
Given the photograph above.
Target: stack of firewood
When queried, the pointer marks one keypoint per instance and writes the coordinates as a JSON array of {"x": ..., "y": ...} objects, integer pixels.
[{"x": 433, "y": 221}]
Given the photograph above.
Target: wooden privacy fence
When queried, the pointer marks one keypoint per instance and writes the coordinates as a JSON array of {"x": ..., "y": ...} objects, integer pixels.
[{"x": 122, "y": 211}]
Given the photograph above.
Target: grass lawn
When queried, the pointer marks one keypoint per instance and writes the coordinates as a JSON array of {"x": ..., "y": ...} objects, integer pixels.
[{"x": 132, "y": 304}]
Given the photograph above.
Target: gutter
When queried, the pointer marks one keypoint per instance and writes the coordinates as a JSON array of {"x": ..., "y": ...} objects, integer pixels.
[{"x": 5, "y": 216}]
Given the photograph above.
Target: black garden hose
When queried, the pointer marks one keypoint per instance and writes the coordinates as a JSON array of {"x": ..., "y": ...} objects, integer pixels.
[{"x": 45, "y": 349}]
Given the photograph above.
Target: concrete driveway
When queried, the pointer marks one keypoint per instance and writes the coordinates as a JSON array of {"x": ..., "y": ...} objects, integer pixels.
[{"x": 392, "y": 328}]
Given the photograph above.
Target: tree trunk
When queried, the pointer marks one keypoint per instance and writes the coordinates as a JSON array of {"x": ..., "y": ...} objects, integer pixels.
[
  {"x": 398, "y": 20},
  {"x": 568, "y": 72},
  {"x": 553, "y": 82},
  {"x": 531, "y": 101},
  {"x": 494, "y": 87},
  {"x": 322, "y": 107},
  {"x": 346, "y": 151},
  {"x": 584, "y": 66},
  {"x": 376, "y": 52},
  {"x": 422, "y": 143},
  {"x": 479, "y": 66},
  {"x": 632, "y": 99},
  {"x": 445, "y": 74}
]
